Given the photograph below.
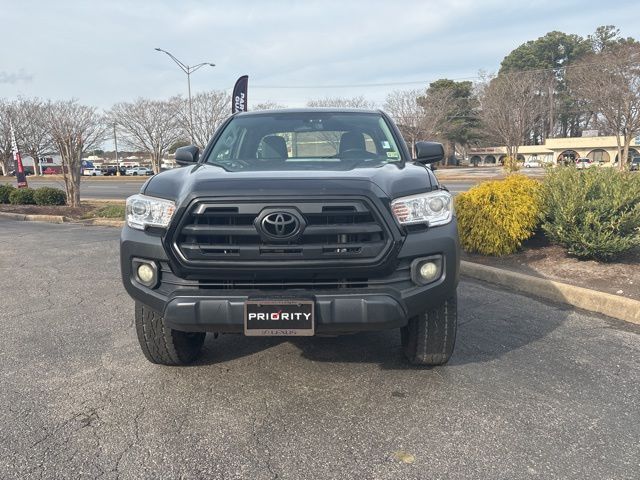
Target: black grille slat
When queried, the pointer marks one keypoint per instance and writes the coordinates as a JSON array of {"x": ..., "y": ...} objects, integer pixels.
[
  {"x": 207, "y": 229},
  {"x": 334, "y": 230},
  {"x": 341, "y": 229}
]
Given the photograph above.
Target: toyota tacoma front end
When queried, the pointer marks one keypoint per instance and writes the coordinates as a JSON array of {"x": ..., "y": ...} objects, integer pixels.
[{"x": 294, "y": 223}]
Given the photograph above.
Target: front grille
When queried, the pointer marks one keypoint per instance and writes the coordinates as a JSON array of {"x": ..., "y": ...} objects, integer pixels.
[{"x": 332, "y": 230}]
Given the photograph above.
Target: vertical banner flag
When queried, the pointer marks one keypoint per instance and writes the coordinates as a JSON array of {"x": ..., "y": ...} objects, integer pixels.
[
  {"x": 21, "y": 178},
  {"x": 239, "y": 98}
]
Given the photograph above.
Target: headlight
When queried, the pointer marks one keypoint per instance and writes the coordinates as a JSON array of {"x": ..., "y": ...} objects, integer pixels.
[
  {"x": 143, "y": 211},
  {"x": 433, "y": 208}
]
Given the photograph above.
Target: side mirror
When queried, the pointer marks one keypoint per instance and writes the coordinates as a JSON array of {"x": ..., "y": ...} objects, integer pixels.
[
  {"x": 429, "y": 152},
  {"x": 187, "y": 155}
]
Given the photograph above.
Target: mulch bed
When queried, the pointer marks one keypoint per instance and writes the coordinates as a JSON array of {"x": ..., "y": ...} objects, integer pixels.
[{"x": 541, "y": 259}]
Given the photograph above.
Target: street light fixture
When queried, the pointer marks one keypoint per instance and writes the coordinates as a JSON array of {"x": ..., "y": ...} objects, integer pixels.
[{"x": 188, "y": 69}]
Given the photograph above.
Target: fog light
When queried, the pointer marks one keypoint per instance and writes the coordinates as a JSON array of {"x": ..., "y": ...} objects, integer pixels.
[
  {"x": 146, "y": 272},
  {"x": 428, "y": 271}
]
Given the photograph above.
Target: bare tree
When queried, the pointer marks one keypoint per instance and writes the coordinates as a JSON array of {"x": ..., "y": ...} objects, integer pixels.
[
  {"x": 403, "y": 107},
  {"x": 612, "y": 90},
  {"x": 268, "y": 105},
  {"x": 32, "y": 131},
  {"x": 6, "y": 153},
  {"x": 342, "y": 102},
  {"x": 75, "y": 129},
  {"x": 419, "y": 116},
  {"x": 510, "y": 107},
  {"x": 150, "y": 126},
  {"x": 210, "y": 109}
]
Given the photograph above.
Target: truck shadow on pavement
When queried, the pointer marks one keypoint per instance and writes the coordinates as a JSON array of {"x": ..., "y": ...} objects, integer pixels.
[{"x": 491, "y": 323}]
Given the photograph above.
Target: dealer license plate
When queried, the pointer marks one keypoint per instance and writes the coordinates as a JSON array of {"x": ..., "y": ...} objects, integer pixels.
[{"x": 283, "y": 317}]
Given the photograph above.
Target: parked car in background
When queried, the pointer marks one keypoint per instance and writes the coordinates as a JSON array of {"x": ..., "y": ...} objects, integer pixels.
[
  {"x": 139, "y": 171},
  {"x": 532, "y": 164},
  {"x": 635, "y": 164},
  {"x": 582, "y": 163},
  {"x": 27, "y": 172},
  {"x": 92, "y": 172},
  {"x": 110, "y": 171}
]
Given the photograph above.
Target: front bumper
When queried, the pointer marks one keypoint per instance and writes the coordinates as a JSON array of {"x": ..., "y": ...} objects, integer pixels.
[{"x": 384, "y": 303}]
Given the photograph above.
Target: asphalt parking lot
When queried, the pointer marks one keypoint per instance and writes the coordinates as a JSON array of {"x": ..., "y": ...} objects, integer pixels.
[{"x": 533, "y": 391}]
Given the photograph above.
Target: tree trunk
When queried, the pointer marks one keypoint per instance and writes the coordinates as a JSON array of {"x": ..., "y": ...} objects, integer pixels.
[
  {"x": 625, "y": 152},
  {"x": 620, "y": 162},
  {"x": 155, "y": 161},
  {"x": 37, "y": 169},
  {"x": 73, "y": 195},
  {"x": 551, "y": 112}
]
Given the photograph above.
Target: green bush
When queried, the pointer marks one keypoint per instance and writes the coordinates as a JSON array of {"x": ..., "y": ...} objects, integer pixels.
[
  {"x": 495, "y": 217},
  {"x": 49, "y": 196},
  {"x": 593, "y": 213},
  {"x": 5, "y": 192},
  {"x": 22, "y": 196}
]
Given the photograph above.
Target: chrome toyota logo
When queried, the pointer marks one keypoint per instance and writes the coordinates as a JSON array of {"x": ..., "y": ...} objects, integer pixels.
[{"x": 280, "y": 225}]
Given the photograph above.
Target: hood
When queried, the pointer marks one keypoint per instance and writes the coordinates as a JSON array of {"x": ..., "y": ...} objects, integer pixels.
[{"x": 390, "y": 181}]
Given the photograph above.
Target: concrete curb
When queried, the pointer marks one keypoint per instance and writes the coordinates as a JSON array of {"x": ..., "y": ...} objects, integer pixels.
[
  {"x": 614, "y": 306},
  {"x": 105, "y": 222},
  {"x": 33, "y": 218}
]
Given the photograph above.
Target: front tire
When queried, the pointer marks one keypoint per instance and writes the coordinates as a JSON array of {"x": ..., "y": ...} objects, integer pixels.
[
  {"x": 429, "y": 338},
  {"x": 164, "y": 345}
]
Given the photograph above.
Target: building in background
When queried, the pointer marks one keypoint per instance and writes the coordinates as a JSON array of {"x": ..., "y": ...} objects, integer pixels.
[{"x": 603, "y": 150}]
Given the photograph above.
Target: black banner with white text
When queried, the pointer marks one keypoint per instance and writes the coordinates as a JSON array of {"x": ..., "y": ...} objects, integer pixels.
[{"x": 239, "y": 98}]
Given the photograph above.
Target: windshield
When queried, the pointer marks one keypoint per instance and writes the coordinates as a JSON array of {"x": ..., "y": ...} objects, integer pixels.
[{"x": 305, "y": 141}]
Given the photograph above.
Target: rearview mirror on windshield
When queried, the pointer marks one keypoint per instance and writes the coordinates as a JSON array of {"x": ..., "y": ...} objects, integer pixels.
[
  {"x": 187, "y": 155},
  {"x": 429, "y": 152}
]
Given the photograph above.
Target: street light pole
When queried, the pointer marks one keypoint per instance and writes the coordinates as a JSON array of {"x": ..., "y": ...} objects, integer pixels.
[
  {"x": 188, "y": 70},
  {"x": 190, "y": 110},
  {"x": 115, "y": 142}
]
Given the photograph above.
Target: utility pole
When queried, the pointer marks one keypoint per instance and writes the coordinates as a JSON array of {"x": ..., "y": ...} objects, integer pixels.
[
  {"x": 188, "y": 70},
  {"x": 115, "y": 142}
]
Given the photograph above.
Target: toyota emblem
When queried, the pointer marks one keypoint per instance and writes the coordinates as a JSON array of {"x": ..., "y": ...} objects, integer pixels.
[{"x": 280, "y": 225}]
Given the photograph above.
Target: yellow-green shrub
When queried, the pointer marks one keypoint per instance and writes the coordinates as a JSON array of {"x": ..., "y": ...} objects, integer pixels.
[{"x": 495, "y": 217}]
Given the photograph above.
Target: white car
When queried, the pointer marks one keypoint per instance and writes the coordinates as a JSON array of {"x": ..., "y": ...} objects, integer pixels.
[
  {"x": 142, "y": 171},
  {"x": 532, "y": 164},
  {"x": 92, "y": 172},
  {"x": 582, "y": 163}
]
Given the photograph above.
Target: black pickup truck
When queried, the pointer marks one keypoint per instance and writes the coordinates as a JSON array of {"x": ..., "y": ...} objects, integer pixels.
[{"x": 293, "y": 223}]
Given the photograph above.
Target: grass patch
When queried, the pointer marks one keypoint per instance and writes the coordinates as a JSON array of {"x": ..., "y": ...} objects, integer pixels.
[{"x": 110, "y": 210}]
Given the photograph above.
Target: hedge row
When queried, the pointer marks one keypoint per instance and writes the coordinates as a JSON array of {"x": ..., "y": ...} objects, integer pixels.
[
  {"x": 592, "y": 213},
  {"x": 30, "y": 196}
]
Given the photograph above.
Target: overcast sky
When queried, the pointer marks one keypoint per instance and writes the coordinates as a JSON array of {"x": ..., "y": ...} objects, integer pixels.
[{"x": 102, "y": 52}]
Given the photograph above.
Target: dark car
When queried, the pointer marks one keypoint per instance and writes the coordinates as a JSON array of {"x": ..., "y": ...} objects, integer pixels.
[
  {"x": 635, "y": 164},
  {"x": 27, "y": 172},
  {"x": 111, "y": 171},
  {"x": 294, "y": 223}
]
